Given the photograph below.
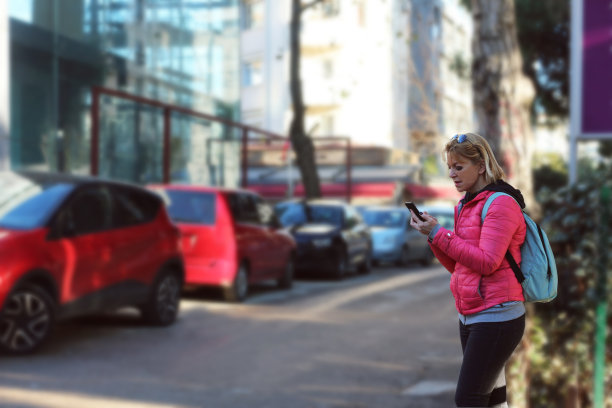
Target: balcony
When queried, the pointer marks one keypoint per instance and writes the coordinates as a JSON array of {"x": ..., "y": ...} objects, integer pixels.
[
  {"x": 321, "y": 95},
  {"x": 321, "y": 37}
]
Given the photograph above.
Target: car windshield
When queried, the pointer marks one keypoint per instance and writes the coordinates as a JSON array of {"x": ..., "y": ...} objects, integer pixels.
[
  {"x": 444, "y": 219},
  {"x": 191, "y": 206},
  {"x": 384, "y": 218},
  {"x": 26, "y": 204},
  {"x": 299, "y": 213}
]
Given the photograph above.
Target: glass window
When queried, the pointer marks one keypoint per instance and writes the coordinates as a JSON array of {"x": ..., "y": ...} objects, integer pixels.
[
  {"x": 389, "y": 219},
  {"x": 253, "y": 73},
  {"x": 191, "y": 207},
  {"x": 446, "y": 220},
  {"x": 179, "y": 52},
  {"x": 243, "y": 208},
  {"x": 325, "y": 214},
  {"x": 30, "y": 205},
  {"x": 298, "y": 213},
  {"x": 435, "y": 26},
  {"x": 248, "y": 209},
  {"x": 132, "y": 207},
  {"x": 331, "y": 8},
  {"x": 327, "y": 127},
  {"x": 328, "y": 68},
  {"x": 89, "y": 211},
  {"x": 351, "y": 217},
  {"x": 254, "y": 14},
  {"x": 264, "y": 210},
  {"x": 290, "y": 213}
]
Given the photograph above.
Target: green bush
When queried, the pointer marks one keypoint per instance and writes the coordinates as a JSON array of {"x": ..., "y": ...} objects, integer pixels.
[
  {"x": 550, "y": 171},
  {"x": 556, "y": 356}
]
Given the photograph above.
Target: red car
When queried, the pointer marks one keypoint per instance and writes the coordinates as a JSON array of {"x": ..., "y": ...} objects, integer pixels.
[
  {"x": 230, "y": 238},
  {"x": 71, "y": 246}
]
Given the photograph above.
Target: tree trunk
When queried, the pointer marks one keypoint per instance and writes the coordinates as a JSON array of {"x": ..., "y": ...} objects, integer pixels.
[
  {"x": 302, "y": 144},
  {"x": 502, "y": 93}
]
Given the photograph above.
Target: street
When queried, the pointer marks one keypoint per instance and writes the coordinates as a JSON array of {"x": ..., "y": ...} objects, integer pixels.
[{"x": 387, "y": 339}]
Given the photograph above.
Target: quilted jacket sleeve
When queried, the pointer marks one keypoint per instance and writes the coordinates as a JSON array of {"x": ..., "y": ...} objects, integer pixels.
[
  {"x": 503, "y": 219},
  {"x": 444, "y": 259}
]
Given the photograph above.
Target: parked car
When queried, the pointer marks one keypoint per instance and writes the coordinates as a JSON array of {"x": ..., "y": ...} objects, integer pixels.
[
  {"x": 331, "y": 236},
  {"x": 445, "y": 214},
  {"x": 75, "y": 245},
  {"x": 230, "y": 238},
  {"x": 393, "y": 239}
]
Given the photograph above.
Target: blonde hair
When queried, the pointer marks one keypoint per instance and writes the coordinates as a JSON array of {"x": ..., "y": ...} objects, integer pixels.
[{"x": 476, "y": 149}]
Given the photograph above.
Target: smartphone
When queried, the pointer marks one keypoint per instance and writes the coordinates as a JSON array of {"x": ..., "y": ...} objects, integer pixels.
[{"x": 410, "y": 205}]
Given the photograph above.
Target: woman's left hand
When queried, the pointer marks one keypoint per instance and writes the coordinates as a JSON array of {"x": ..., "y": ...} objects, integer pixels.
[{"x": 424, "y": 227}]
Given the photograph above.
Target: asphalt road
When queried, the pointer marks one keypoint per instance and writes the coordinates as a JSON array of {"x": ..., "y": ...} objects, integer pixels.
[{"x": 387, "y": 339}]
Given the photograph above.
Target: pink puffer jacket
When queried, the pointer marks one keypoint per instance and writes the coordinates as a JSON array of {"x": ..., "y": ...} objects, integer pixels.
[{"x": 475, "y": 253}]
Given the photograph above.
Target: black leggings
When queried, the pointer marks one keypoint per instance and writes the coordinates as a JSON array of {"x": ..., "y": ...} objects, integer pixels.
[{"x": 486, "y": 348}]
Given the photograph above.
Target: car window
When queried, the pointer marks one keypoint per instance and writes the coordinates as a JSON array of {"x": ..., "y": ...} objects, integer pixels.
[
  {"x": 192, "y": 206},
  {"x": 132, "y": 207},
  {"x": 88, "y": 211},
  {"x": 249, "y": 211},
  {"x": 327, "y": 214},
  {"x": 30, "y": 205},
  {"x": 147, "y": 203},
  {"x": 445, "y": 220},
  {"x": 385, "y": 218},
  {"x": 264, "y": 210},
  {"x": 351, "y": 218},
  {"x": 243, "y": 208},
  {"x": 290, "y": 213}
]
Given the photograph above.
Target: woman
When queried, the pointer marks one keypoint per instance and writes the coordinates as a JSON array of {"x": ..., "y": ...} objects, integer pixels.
[{"x": 488, "y": 297}]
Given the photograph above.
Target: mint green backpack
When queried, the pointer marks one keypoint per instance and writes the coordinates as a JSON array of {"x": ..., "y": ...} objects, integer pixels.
[{"x": 538, "y": 272}]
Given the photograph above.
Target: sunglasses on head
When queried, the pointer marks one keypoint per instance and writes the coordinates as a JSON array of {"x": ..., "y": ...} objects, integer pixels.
[{"x": 460, "y": 138}]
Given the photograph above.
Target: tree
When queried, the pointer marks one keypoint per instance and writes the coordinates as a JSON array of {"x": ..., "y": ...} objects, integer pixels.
[
  {"x": 302, "y": 144},
  {"x": 502, "y": 93},
  {"x": 543, "y": 34}
]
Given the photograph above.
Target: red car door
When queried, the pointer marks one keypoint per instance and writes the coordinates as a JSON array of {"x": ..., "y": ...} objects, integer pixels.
[
  {"x": 134, "y": 236},
  {"x": 251, "y": 237},
  {"x": 273, "y": 243},
  {"x": 86, "y": 241}
]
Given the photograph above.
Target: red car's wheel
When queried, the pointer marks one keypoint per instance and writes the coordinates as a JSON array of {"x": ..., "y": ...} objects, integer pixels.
[
  {"x": 26, "y": 320},
  {"x": 239, "y": 289},
  {"x": 163, "y": 305}
]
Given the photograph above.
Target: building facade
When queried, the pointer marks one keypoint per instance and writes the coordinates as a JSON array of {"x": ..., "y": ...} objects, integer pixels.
[
  {"x": 441, "y": 86},
  {"x": 455, "y": 68},
  {"x": 353, "y": 71},
  {"x": 179, "y": 52},
  {"x": 392, "y": 75},
  {"x": 4, "y": 86}
]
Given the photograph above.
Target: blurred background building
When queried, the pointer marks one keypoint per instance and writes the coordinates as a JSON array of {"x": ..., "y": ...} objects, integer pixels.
[
  {"x": 4, "y": 86},
  {"x": 183, "y": 52},
  {"x": 441, "y": 85},
  {"x": 392, "y": 76}
]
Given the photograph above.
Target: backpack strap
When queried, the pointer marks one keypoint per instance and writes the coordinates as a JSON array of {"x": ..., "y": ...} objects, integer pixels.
[
  {"x": 515, "y": 268},
  {"x": 489, "y": 202}
]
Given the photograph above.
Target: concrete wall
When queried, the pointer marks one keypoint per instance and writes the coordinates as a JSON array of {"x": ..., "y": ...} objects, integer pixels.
[{"x": 4, "y": 87}]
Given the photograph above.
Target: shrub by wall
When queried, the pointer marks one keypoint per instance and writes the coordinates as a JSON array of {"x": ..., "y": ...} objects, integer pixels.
[{"x": 553, "y": 367}]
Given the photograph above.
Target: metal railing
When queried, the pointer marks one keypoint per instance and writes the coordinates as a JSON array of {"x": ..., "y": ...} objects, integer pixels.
[{"x": 168, "y": 109}]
